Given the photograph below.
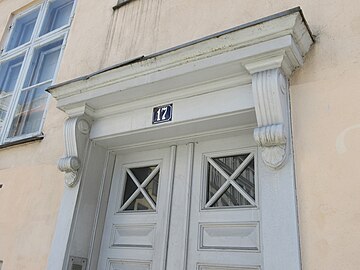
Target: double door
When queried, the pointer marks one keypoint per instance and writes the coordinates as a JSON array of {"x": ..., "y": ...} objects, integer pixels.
[{"x": 191, "y": 206}]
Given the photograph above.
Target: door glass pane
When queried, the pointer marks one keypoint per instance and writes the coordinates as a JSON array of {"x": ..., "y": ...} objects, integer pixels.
[
  {"x": 231, "y": 163},
  {"x": 23, "y": 29},
  {"x": 29, "y": 111},
  {"x": 57, "y": 15},
  {"x": 9, "y": 73},
  {"x": 215, "y": 181},
  {"x": 246, "y": 179},
  {"x": 139, "y": 204},
  {"x": 43, "y": 64},
  {"x": 142, "y": 173},
  {"x": 231, "y": 197},
  {"x": 151, "y": 188},
  {"x": 130, "y": 188}
]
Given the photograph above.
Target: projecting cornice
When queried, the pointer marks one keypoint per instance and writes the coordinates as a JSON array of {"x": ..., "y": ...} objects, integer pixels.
[
  {"x": 263, "y": 53},
  {"x": 276, "y": 41}
]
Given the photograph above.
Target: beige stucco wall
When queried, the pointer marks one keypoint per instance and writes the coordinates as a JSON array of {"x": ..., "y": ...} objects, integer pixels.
[
  {"x": 324, "y": 97},
  {"x": 32, "y": 186}
]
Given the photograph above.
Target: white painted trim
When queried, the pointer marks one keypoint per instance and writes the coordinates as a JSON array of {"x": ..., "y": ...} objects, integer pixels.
[
  {"x": 189, "y": 176},
  {"x": 168, "y": 206},
  {"x": 118, "y": 102}
]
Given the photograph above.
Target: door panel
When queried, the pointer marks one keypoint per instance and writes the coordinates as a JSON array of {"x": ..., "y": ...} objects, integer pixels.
[
  {"x": 198, "y": 213},
  {"x": 134, "y": 236},
  {"x": 225, "y": 217}
]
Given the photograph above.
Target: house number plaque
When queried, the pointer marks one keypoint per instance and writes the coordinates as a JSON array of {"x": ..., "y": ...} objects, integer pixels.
[{"x": 162, "y": 114}]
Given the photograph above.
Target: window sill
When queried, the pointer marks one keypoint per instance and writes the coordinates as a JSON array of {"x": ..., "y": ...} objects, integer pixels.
[
  {"x": 23, "y": 141},
  {"x": 121, "y": 3}
]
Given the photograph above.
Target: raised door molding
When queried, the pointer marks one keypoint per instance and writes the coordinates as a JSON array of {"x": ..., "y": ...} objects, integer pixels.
[{"x": 76, "y": 133}]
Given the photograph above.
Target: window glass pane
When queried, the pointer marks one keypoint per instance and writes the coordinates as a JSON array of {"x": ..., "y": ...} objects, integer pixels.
[
  {"x": 43, "y": 64},
  {"x": 57, "y": 15},
  {"x": 23, "y": 29},
  {"x": 29, "y": 111},
  {"x": 4, "y": 105},
  {"x": 9, "y": 73}
]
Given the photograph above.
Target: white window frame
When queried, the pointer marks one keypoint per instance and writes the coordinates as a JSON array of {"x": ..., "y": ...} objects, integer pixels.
[{"x": 27, "y": 50}]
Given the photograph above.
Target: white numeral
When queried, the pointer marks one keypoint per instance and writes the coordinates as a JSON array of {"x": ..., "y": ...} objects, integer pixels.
[
  {"x": 158, "y": 115},
  {"x": 161, "y": 114},
  {"x": 164, "y": 111}
]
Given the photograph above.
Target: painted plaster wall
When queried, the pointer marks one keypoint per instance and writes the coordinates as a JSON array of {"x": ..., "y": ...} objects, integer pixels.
[
  {"x": 324, "y": 98},
  {"x": 32, "y": 186}
]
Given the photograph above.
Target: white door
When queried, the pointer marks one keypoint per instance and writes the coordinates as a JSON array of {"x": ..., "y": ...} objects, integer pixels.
[
  {"x": 135, "y": 230},
  {"x": 224, "y": 229},
  {"x": 210, "y": 221}
]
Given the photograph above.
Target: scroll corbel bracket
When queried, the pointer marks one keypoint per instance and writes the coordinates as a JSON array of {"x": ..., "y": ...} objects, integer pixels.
[
  {"x": 273, "y": 144},
  {"x": 270, "y": 91},
  {"x": 76, "y": 133}
]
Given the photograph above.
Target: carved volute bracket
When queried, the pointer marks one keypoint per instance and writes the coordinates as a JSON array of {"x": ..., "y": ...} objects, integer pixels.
[
  {"x": 76, "y": 134},
  {"x": 270, "y": 91}
]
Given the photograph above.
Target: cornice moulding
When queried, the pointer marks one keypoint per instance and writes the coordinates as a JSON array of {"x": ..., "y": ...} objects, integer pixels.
[
  {"x": 260, "y": 56},
  {"x": 278, "y": 43}
]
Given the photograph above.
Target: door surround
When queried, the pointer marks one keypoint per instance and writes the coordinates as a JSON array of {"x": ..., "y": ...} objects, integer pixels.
[{"x": 247, "y": 66}]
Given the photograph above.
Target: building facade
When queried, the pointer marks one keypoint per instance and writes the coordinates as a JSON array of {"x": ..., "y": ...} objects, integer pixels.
[{"x": 179, "y": 135}]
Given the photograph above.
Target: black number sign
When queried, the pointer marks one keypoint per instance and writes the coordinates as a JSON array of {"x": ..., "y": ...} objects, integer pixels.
[{"x": 162, "y": 114}]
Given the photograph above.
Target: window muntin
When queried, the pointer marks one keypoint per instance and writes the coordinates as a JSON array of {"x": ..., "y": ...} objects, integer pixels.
[{"x": 28, "y": 66}]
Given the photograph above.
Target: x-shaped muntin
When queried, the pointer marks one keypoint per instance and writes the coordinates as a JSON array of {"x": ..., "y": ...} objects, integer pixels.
[
  {"x": 230, "y": 181},
  {"x": 141, "y": 188}
]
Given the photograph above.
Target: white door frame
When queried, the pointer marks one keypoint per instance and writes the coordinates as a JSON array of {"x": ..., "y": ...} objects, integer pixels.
[{"x": 247, "y": 66}]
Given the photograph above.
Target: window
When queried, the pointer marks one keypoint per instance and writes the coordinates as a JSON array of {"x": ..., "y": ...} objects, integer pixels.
[{"x": 28, "y": 64}]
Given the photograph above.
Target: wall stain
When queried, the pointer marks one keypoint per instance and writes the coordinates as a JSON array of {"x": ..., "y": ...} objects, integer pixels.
[
  {"x": 109, "y": 39},
  {"x": 133, "y": 31}
]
